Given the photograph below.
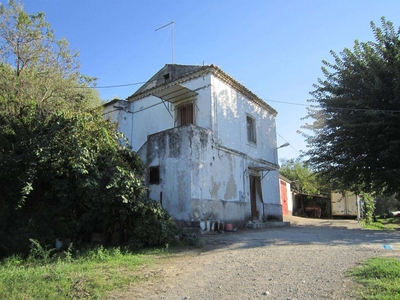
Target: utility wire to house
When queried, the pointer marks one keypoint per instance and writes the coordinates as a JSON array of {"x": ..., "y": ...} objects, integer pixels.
[
  {"x": 266, "y": 100},
  {"x": 288, "y": 143},
  {"x": 115, "y": 86}
]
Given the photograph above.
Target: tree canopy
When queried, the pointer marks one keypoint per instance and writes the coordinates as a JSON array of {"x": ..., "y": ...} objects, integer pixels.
[
  {"x": 303, "y": 179},
  {"x": 64, "y": 170},
  {"x": 355, "y": 139},
  {"x": 36, "y": 68}
]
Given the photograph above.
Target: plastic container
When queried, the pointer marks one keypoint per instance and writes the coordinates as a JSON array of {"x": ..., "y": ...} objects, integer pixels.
[{"x": 228, "y": 227}]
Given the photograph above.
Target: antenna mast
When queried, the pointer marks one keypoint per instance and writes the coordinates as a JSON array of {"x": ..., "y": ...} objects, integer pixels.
[{"x": 171, "y": 23}]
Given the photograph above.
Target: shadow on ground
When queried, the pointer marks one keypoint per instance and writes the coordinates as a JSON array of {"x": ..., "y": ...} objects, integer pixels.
[{"x": 304, "y": 232}]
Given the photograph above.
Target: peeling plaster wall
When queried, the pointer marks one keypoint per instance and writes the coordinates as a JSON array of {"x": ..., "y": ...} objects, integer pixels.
[
  {"x": 229, "y": 120},
  {"x": 171, "y": 151},
  {"x": 198, "y": 181},
  {"x": 230, "y": 112},
  {"x": 218, "y": 189}
]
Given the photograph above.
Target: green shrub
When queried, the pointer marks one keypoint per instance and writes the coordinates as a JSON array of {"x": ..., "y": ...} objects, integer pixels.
[
  {"x": 69, "y": 176},
  {"x": 65, "y": 172},
  {"x": 153, "y": 226}
]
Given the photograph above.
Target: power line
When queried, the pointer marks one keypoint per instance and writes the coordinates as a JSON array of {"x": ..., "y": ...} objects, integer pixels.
[
  {"x": 265, "y": 100},
  {"x": 288, "y": 143},
  {"x": 335, "y": 107},
  {"x": 115, "y": 86},
  {"x": 171, "y": 23},
  {"x": 283, "y": 102},
  {"x": 128, "y": 84}
]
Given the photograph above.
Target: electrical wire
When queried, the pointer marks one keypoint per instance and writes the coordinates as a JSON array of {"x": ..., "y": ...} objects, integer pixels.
[
  {"x": 288, "y": 143},
  {"x": 114, "y": 86},
  {"x": 335, "y": 107},
  {"x": 265, "y": 100},
  {"x": 130, "y": 84}
]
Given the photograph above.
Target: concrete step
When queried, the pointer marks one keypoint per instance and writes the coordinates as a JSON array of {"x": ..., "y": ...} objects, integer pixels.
[{"x": 259, "y": 225}]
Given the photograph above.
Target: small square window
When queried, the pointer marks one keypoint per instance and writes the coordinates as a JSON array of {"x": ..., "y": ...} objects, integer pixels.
[
  {"x": 154, "y": 175},
  {"x": 251, "y": 130}
]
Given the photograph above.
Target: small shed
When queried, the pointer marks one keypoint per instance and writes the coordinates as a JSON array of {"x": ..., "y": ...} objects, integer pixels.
[
  {"x": 286, "y": 196},
  {"x": 317, "y": 206},
  {"x": 345, "y": 205}
]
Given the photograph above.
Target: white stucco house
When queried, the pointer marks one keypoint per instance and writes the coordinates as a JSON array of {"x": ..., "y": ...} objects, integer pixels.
[{"x": 209, "y": 143}]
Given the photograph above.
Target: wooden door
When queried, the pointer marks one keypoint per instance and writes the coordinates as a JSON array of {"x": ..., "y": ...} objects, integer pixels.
[{"x": 253, "y": 198}]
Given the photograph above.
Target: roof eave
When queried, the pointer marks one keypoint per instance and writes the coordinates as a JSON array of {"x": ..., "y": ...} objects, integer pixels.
[{"x": 217, "y": 72}]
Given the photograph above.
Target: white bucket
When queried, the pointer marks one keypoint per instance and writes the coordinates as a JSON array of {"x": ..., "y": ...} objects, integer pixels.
[
  {"x": 59, "y": 244},
  {"x": 203, "y": 225}
]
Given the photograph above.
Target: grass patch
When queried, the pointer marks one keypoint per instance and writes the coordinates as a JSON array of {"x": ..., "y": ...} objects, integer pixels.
[
  {"x": 384, "y": 224},
  {"x": 380, "y": 278},
  {"x": 89, "y": 275}
]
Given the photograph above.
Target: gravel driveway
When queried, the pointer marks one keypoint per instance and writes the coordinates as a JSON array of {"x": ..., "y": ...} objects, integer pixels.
[{"x": 307, "y": 260}]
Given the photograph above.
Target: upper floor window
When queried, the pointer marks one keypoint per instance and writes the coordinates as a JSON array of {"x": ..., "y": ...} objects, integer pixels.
[
  {"x": 251, "y": 129},
  {"x": 184, "y": 114},
  {"x": 166, "y": 77}
]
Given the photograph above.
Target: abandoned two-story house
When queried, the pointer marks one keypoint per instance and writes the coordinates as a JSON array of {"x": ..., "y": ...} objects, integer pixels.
[{"x": 209, "y": 143}]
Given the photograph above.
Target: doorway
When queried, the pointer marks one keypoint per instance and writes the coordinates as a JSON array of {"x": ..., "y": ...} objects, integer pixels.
[{"x": 256, "y": 200}]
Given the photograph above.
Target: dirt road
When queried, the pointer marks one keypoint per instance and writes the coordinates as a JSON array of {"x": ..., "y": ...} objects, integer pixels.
[{"x": 307, "y": 260}]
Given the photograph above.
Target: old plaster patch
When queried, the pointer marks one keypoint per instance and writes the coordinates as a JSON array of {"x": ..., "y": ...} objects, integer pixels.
[
  {"x": 215, "y": 188},
  {"x": 231, "y": 188}
]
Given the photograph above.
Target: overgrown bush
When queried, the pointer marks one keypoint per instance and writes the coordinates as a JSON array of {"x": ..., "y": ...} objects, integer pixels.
[
  {"x": 369, "y": 208},
  {"x": 152, "y": 226},
  {"x": 387, "y": 204},
  {"x": 67, "y": 177},
  {"x": 64, "y": 171}
]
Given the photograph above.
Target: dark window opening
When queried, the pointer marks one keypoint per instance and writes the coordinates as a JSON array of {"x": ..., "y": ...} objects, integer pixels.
[
  {"x": 154, "y": 175},
  {"x": 251, "y": 130},
  {"x": 184, "y": 114},
  {"x": 166, "y": 77}
]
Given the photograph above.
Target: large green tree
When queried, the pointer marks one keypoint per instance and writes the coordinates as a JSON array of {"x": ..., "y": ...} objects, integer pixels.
[
  {"x": 355, "y": 139},
  {"x": 303, "y": 179},
  {"x": 64, "y": 172},
  {"x": 37, "y": 68}
]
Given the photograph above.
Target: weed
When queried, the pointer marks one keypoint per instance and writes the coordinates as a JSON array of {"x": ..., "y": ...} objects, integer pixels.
[
  {"x": 48, "y": 274},
  {"x": 37, "y": 252},
  {"x": 384, "y": 224},
  {"x": 380, "y": 278}
]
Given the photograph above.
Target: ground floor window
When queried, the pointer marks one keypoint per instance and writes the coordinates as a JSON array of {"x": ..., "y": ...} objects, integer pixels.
[{"x": 154, "y": 177}]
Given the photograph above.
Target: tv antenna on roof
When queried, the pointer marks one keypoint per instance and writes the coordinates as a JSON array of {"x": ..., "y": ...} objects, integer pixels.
[{"x": 171, "y": 23}]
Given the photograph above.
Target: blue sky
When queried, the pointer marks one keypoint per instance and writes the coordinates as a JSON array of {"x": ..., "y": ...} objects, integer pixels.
[{"x": 274, "y": 48}]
